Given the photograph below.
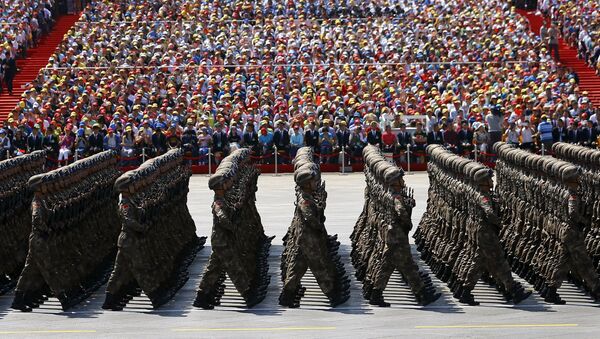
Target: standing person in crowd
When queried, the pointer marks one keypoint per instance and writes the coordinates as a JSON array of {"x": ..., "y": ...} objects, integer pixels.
[
  {"x": 66, "y": 142},
  {"x": 95, "y": 140},
  {"x": 450, "y": 137},
  {"x": 81, "y": 143},
  {"x": 326, "y": 145},
  {"x": 493, "y": 120},
  {"x": 553, "y": 34},
  {"x": 173, "y": 137},
  {"x": 512, "y": 134},
  {"x": 35, "y": 140},
  {"x": 112, "y": 141},
  {"x": 420, "y": 142},
  {"x": 404, "y": 142},
  {"x": 342, "y": 135},
  {"x": 10, "y": 71},
  {"x": 250, "y": 138},
  {"x": 219, "y": 143},
  {"x": 358, "y": 141},
  {"x": 281, "y": 140},
  {"x": 5, "y": 145},
  {"x": 526, "y": 136},
  {"x": 465, "y": 139},
  {"x": 128, "y": 146},
  {"x": 19, "y": 143},
  {"x": 234, "y": 137},
  {"x": 159, "y": 140},
  {"x": 204, "y": 144},
  {"x": 374, "y": 135},
  {"x": 389, "y": 140},
  {"x": 481, "y": 140},
  {"x": 265, "y": 140},
  {"x": 587, "y": 136},
  {"x": 296, "y": 139},
  {"x": 51, "y": 143},
  {"x": 544, "y": 133},
  {"x": 435, "y": 136},
  {"x": 560, "y": 133},
  {"x": 311, "y": 136}
]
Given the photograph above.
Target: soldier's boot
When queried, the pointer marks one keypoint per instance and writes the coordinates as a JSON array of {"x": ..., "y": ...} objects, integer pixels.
[
  {"x": 112, "y": 302},
  {"x": 595, "y": 293},
  {"x": 518, "y": 293},
  {"x": 19, "y": 303},
  {"x": 376, "y": 298},
  {"x": 337, "y": 297},
  {"x": 288, "y": 300},
  {"x": 426, "y": 296},
  {"x": 367, "y": 290},
  {"x": 203, "y": 300},
  {"x": 467, "y": 298},
  {"x": 551, "y": 296}
]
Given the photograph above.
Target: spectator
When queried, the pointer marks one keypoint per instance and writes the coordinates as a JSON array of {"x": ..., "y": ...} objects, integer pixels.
[
  {"x": 159, "y": 140},
  {"x": 512, "y": 134},
  {"x": 389, "y": 140},
  {"x": 95, "y": 140},
  {"x": 35, "y": 140},
  {"x": 481, "y": 140},
  {"x": 112, "y": 141},
  {"x": 435, "y": 136},
  {"x": 450, "y": 137},
  {"x": 5, "y": 145},
  {"x": 374, "y": 135},
  {"x": 544, "y": 131},
  {"x": 296, "y": 139},
  {"x": 526, "y": 134},
  {"x": 281, "y": 140}
]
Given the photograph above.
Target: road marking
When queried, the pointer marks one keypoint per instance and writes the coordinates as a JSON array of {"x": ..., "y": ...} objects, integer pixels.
[
  {"x": 254, "y": 329},
  {"x": 47, "y": 331},
  {"x": 497, "y": 326}
]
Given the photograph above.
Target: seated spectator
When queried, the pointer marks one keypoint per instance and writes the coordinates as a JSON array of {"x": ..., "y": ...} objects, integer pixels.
[
  {"x": 389, "y": 140},
  {"x": 512, "y": 135},
  {"x": 112, "y": 141},
  {"x": 435, "y": 136}
]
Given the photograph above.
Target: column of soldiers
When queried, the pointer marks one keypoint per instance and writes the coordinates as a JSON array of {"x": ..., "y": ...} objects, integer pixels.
[
  {"x": 589, "y": 193},
  {"x": 307, "y": 244},
  {"x": 15, "y": 214},
  {"x": 74, "y": 233},
  {"x": 541, "y": 221},
  {"x": 158, "y": 239},
  {"x": 458, "y": 234},
  {"x": 380, "y": 238},
  {"x": 240, "y": 248}
]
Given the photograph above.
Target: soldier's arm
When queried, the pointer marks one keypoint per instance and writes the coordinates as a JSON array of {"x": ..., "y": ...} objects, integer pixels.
[
  {"x": 309, "y": 213},
  {"x": 222, "y": 218},
  {"x": 129, "y": 220}
]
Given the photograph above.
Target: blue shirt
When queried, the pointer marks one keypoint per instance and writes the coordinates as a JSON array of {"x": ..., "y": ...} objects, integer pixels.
[{"x": 545, "y": 130}]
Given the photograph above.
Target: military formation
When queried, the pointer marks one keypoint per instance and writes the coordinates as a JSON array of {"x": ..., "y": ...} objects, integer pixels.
[
  {"x": 542, "y": 221},
  {"x": 158, "y": 239},
  {"x": 15, "y": 214},
  {"x": 240, "y": 248},
  {"x": 74, "y": 233},
  {"x": 458, "y": 233},
  {"x": 380, "y": 237},
  {"x": 589, "y": 192},
  {"x": 307, "y": 244}
]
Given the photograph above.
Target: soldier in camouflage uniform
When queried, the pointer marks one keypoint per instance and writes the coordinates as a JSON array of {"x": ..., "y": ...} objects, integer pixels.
[
  {"x": 543, "y": 232},
  {"x": 380, "y": 237},
  {"x": 307, "y": 244},
  {"x": 15, "y": 214},
  {"x": 240, "y": 246},
  {"x": 74, "y": 233},
  {"x": 158, "y": 238},
  {"x": 458, "y": 234}
]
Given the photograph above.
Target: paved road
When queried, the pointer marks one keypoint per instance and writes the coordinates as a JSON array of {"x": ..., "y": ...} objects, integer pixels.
[{"x": 445, "y": 318}]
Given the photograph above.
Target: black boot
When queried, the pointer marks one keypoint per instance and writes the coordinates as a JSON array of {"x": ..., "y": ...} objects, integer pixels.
[
  {"x": 288, "y": 300},
  {"x": 552, "y": 297},
  {"x": 426, "y": 297},
  {"x": 468, "y": 298},
  {"x": 203, "y": 301},
  {"x": 518, "y": 294},
  {"x": 19, "y": 303},
  {"x": 112, "y": 302},
  {"x": 377, "y": 298}
]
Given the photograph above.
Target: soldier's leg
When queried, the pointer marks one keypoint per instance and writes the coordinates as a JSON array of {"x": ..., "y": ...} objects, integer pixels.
[
  {"x": 580, "y": 259},
  {"x": 205, "y": 297},
  {"x": 403, "y": 260},
  {"x": 29, "y": 283},
  {"x": 120, "y": 279},
  {"x": 296, "y": 269}
]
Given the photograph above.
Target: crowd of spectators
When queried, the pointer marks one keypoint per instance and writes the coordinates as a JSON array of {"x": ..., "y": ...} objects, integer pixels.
[
  {"x": 22, "y": 22},
  {"x": 147, "y": 75},
  {"x": 579, "y": 22}
]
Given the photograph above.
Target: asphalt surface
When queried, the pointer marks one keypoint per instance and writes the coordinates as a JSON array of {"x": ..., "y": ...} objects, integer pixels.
[{"x": 445, "y": 318}]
